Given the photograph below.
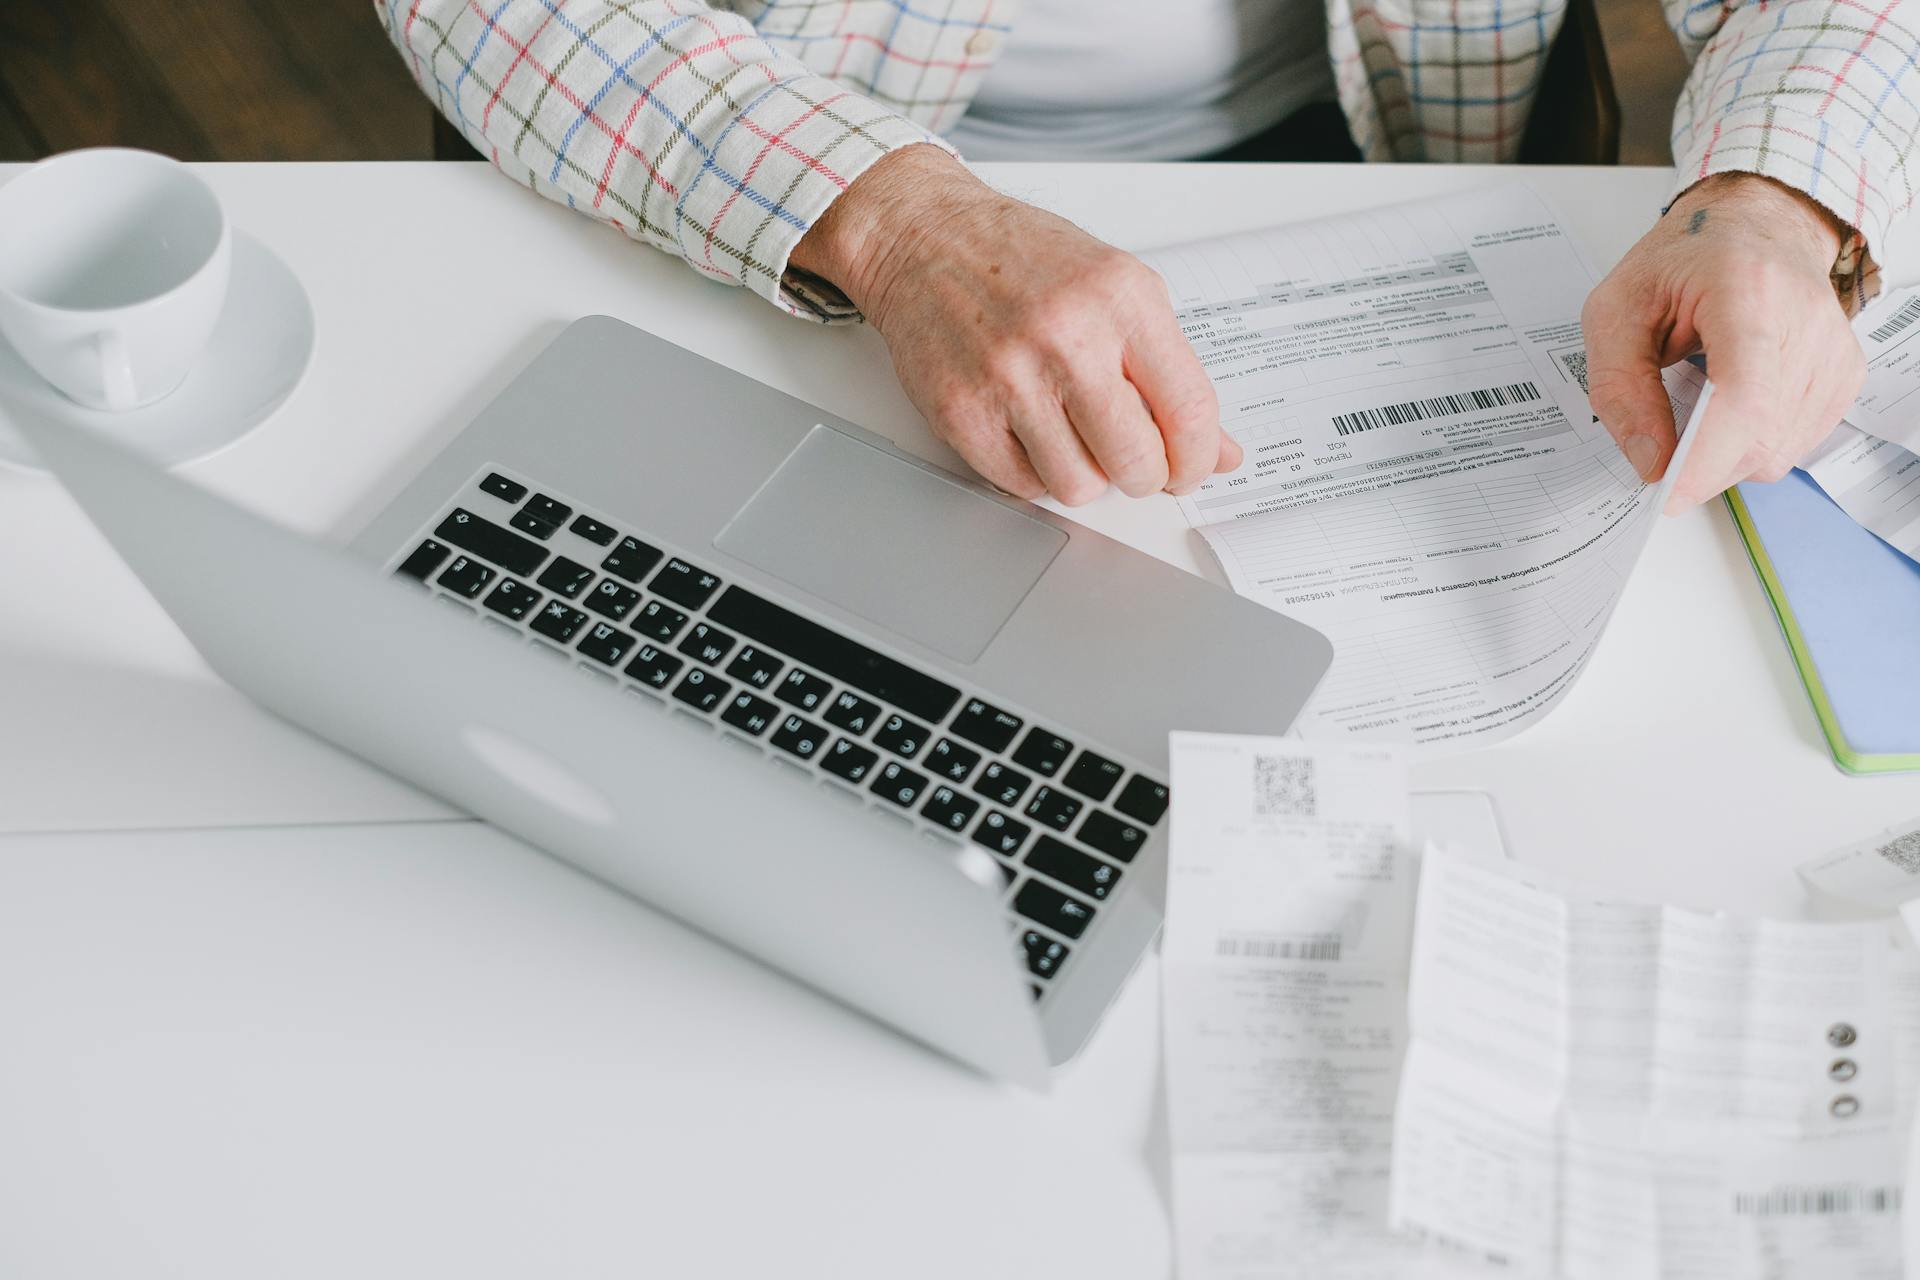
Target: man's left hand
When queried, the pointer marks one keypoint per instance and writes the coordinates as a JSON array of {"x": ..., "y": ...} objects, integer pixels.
[{"x": 1740, "y": 268}]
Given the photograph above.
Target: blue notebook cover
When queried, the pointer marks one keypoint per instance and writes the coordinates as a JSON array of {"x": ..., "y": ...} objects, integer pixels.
[{"x": 1849, "y": 605}]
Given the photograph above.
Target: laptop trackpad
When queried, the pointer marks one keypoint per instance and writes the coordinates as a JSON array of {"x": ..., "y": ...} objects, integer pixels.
[{"x": 892, "y": 542}]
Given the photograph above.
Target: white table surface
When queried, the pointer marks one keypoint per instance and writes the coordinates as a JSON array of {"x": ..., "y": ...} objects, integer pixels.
[{"x": 461, "y": 1058}]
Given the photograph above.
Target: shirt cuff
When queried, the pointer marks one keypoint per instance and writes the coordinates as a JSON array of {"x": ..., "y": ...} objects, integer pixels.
[
  {"x": 1812, "y": 157},
  {"x": 769, "y": 175}
]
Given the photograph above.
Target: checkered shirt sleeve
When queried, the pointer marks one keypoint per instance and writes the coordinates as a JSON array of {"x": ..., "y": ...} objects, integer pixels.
[
  {"x": 681, "y": 125},
  {"x": 1819, "y": 94}
]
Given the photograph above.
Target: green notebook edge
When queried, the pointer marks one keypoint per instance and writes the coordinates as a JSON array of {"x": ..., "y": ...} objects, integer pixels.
[{"x": 1858, "y": 763}]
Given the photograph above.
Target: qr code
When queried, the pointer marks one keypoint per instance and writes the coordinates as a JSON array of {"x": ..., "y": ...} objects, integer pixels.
[
  {"x": 1575, "y": 363},
  {"x": 1283, "y": 787},
  {"x": 1903, "y": 852}
]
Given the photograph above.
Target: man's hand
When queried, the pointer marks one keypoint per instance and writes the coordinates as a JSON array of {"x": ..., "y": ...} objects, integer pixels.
[
  {"x": 1049, "y": 361},
  {"x": 1739, "y": 268}
]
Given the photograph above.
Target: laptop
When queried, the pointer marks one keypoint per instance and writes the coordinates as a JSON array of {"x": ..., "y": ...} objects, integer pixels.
[{"x": 889, "y": 731}]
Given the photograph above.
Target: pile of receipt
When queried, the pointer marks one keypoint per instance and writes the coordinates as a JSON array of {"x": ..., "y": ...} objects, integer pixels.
[{"x": 1568, "y": 1086}]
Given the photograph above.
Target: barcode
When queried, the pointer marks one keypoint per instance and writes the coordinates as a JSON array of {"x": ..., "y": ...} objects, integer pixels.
[
  {"x": 1903, "y": 852},
  {"x": 1901, "y": 319},
  {"x": 1784, "y": 1202},
  {"x": 1318, "y": 946},
  {"x": 1283, "y": 787},
  {"x": 1394, "y": 415}
]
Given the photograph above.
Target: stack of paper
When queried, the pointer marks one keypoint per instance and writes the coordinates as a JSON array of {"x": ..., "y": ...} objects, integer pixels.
[{"x": 1573, "y": 1087}]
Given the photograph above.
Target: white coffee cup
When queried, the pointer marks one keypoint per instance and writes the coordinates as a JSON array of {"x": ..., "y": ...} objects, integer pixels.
[{"x": 113, "y": 270}]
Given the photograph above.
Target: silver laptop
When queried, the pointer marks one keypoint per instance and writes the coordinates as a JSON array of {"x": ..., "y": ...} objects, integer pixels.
[{"x": 890, "y": 732}]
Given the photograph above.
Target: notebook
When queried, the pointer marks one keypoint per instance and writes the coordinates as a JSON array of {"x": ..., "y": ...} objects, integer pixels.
[{"x": 1849, "y": 605}]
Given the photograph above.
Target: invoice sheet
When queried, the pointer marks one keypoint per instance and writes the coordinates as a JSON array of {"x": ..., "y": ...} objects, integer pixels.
[
  {"x": 1889, "y": 402},
  {"x": 1874, "y": 481},
  {"x": 1283, "y": 972},
  {"x": 1617, "y": 1090},
  {"x": 1424, "y": 480}
]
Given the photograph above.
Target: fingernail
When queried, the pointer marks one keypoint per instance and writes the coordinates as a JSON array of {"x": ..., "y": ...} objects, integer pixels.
[
  {"x": 1643, "y": 452},
  {"x": 1183, "y": 490}
]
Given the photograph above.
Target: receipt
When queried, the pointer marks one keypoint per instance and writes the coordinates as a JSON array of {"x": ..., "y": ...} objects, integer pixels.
[
  {"x": 1289, "y": 901},
  {"x": 1597, "y": 1088},
  {"x": 1880, "y": 873},
  {"x": 1889, "y": 402},
  {"x": 1424, "y": 480},
  {"x": 1874, "y": 481}
]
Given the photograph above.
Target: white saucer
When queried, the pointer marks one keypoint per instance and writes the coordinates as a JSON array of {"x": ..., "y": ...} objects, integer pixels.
[{"x": 257, "y": 355}]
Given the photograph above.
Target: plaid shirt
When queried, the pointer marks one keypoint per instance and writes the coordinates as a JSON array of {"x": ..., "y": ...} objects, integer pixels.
[{"x": 720, "y": 131}]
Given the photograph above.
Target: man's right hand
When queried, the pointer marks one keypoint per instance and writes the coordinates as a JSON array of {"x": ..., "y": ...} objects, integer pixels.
[{"x": 1048, "y": 360}]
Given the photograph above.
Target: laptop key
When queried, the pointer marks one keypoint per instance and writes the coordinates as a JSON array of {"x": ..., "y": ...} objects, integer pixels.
[
  {"x": 756, "y": 666},
  {"x": 465, "y": 577},
  {"x": 526, "y": 522},
  {"x": 1001, "y": 834},
  {"x": 426, "y": 557},
  {"x": 849, "y": 760},
  {"x": 1042, "y": 752},
  {"x": 653, "y": 668},
  {"x": 1142, "y": 798},
  {"x": 685, "y": 584},
  {"x": 565, "y": 577},
  {"x": 631, "y": 559},
  {"x": 1070, "y": 867},
  {"x": 702, "y": 689},
  {"x": 899, "y": 784},
  {"x": 948, "y": 808},
  {"x": 749, "y": 714},
  {"x": 1001, "y": 784},
  {"x": 951, "y": 761},
  {"x": 1053, "y": 807},
  {"x": 986, "y": 725},
  {"x": 800, "y": 736},
  {"x": 1093, "y": 776},
  {"x": 803, "y": 689},
  {"x": 558, "y": 622},
  {"x": 708, "y": 644},
  {"x": 658, "y": 621},
  {"x": 467, "y": 531},
  {"x": 901, "y": 736},
  {"x": 1111, "y": 836},
  {"x": 611, "y": 600},
  {"x": 1044, "y": 955},
  {"x": 852, "y": 712},
  {"x": 546, "y": 510},
  {"x": 605, "y": 643},
  {"x": 592, "y": 530},
  {"x": 833, "y": 654},
  {"x": 504, "y": 489},
  {"x": 513, "y": 599},
  {"x": 1060, "y": 912}
]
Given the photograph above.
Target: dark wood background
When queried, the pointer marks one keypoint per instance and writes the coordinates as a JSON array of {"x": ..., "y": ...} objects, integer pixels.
[{"x": 317, "y": 79}]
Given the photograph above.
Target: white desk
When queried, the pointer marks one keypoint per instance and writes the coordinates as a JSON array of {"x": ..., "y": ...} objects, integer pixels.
[{"x": 476, "y": 1063}]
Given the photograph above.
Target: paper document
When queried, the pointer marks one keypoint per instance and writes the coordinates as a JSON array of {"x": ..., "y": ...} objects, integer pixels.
[
  {"x": 1615, "y": 1090},
  {"x": 1889, "y": 403},
  {"x": 1424, "y": 480},
  {"x": 1874, "y": 481},
  {"x": 1283, "y": 977},
  {"x": 1880, "y": 873}
]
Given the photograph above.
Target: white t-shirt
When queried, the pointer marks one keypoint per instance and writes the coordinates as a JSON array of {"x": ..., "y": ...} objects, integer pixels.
[{"x": 1146, "y": 79}]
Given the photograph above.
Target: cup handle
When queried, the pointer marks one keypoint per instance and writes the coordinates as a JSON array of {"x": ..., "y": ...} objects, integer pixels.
[{"x": 116, "y": 370}]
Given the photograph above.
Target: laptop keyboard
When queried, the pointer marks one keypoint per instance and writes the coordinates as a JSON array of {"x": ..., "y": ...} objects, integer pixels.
[{"x": 1063, "y": 821}]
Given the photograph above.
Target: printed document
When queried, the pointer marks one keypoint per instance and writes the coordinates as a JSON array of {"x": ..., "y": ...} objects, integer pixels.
[
  {"x": 1615, "y": 1090},
  {"x": 1889, "y": 403},
  {"x": 1874, "y": 481},
  {"x": 1880, "y": 874},
  {"x": 1283, "y": 976},
  {"x": 1424, "y": 479}
]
